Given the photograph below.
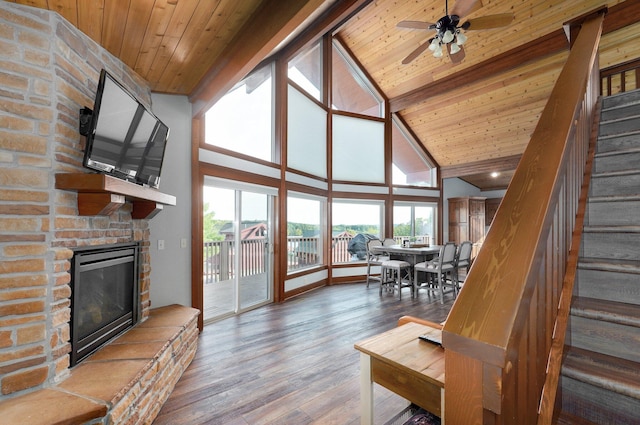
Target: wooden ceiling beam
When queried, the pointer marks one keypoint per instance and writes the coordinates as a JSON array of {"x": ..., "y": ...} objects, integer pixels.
[
  {"x": 618, "y": 16},
  {"x": 508, "y": 163},
  {"x": 274, "y": 22},
  {"x": 544, "y": 46}
]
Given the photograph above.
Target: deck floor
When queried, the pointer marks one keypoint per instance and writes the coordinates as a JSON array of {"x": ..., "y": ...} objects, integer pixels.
[{"x": 293, "y": 362}]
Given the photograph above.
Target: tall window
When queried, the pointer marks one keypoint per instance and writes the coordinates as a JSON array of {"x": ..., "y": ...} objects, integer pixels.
[
  {"x": 304, "y": 231},
  {"x": 352, "y": 224},
  {"x": 305, "y": 69},
  {"x": 358, "y": 149},
  {"x": 306, "y": 134},
  {"x": 409, "y": 164},
  {"x": 415, "y": 221},
  {"x": 242, "y": 121},
  {"x": 352, "y": 91}
]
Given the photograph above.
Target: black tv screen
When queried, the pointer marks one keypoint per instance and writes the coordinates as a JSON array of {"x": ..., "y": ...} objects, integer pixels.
[{"x": 124, "y": 138}]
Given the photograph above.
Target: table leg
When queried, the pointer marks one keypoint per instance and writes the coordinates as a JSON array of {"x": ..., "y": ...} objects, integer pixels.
[{"x": 366, "y": 390}]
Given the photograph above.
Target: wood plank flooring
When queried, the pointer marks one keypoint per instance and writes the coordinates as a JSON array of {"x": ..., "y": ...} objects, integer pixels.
[{"x": 293, "y": 362}]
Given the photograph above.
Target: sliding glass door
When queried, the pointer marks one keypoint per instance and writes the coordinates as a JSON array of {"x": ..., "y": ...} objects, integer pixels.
[{"x": 237, "y": 248}]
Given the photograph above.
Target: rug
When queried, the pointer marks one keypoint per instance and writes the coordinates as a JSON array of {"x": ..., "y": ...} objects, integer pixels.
[
  {"x": 422, "y": 417},
  {"x": 414, "y": 415}
]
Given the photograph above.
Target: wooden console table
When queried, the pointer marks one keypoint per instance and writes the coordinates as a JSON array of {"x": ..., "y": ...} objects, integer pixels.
[
  {"x": 401, "y": 362},
  {"x": 100, "y": 194}
]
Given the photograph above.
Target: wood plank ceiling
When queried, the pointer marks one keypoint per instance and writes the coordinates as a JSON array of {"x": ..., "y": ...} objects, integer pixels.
[{"x": 473, "y": 117}]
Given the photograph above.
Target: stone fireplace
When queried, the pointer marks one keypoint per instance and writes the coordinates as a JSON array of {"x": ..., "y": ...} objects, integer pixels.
[{"x": 49, "y": 70}]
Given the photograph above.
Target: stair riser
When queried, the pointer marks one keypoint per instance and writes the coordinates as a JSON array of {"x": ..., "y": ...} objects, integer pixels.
[
  {"x": 615, "y": 246},
  {"x": 622, "y": 162},
  {"x": 620, "y": 113},
  {"x": 615, "y": 185},
  {"x": 598, "y": 405},
  {"x": 605, "y": 337},
  {"x": 619, "y": 213},
  {"x": 620, "y": 99},
  {"x": 610, "y": 286},
  {"x": 619, "y": 127},
  {"x": 620, "y": 143}
]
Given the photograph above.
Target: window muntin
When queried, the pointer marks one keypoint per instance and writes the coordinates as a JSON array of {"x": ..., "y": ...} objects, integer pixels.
[
  {"x": 351, "y": 89},
  {"x": 350, "y": 218},
  {"x": 409, "y": 164},
  {"x": 242, "y": 120},
  {"x": 305, "y": 69},
  {"x": 304, "y": 231}
]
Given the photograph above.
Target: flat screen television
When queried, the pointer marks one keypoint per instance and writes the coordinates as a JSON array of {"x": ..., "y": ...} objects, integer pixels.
[{"x": 124, "y": 138}]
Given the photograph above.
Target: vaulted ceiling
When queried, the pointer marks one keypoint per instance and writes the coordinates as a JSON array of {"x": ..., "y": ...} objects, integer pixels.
[{"x": 473, "y": 115}]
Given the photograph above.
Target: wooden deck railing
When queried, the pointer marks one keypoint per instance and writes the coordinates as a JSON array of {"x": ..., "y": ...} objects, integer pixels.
[{"x": 499, "y": 333}]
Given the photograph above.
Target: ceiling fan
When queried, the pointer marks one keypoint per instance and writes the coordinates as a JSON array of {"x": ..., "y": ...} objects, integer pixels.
[{"x": 449, "y": 33}]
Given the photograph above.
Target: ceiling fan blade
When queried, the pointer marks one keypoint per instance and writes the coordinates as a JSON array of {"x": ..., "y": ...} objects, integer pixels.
[
  {"x": 456, "y": 57},
  {"x": 418, "y": 25},
  {"x": 465, "y": 7},
  {"x": 489, "y": 21},
  {"x": 417, "y": 52}
]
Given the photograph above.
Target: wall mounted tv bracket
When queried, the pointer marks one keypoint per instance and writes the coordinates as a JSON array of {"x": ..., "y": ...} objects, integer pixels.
[{"x": 85, "y": 121}]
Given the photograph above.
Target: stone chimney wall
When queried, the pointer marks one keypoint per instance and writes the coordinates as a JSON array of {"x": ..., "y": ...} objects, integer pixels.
[{"x": 48, "y": 71}]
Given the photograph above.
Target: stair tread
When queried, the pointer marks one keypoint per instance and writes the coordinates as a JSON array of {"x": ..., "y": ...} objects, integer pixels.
[
  {"x": 617, "y": 152},
  {"x": 605, "y": 310},
  {"x": 614, "y": 135},
  {"x": 611, "y": 229},
  {"x": 620, "y": 173},
  {"x": 614, "y": 198},
  {"x": 568, "y": 419},
  {"x": 608, "y": 372},
  {"x": 614, "y": 265}
]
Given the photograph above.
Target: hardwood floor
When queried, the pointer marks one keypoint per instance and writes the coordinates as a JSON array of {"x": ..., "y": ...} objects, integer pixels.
[{"x": 294, "y": 362}]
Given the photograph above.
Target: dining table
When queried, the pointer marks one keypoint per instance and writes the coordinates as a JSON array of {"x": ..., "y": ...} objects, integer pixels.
[{"x": 410, "y": 254}]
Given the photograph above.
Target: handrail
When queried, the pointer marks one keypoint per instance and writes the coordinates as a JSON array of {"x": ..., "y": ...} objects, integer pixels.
[{"x": 499, "y": 332}]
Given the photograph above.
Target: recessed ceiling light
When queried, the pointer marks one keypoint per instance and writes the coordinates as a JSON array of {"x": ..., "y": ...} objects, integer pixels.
[{"x": 495, "y": 174}]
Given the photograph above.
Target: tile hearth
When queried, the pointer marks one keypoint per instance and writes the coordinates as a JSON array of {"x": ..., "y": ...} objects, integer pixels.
[{"x": 127, "y": 380}]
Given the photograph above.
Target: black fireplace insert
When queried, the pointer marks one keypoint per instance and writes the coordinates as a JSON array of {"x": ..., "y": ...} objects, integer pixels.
[{"x": 105, "y": 296}]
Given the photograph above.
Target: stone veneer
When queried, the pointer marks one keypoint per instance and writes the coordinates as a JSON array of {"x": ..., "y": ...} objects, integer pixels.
[{"x": 48, "y": 71}]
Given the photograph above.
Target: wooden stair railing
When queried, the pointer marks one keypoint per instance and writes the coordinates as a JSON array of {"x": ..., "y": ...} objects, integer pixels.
[
  {"x": 620, "y": 78},
  {"x": 499, "y": 333}
]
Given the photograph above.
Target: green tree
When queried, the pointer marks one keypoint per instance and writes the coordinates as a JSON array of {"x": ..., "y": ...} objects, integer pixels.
[{"x": 210, "y": 226}]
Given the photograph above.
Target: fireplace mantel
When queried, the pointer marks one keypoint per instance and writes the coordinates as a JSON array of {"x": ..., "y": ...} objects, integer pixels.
[{"x": 100, "y": 194}]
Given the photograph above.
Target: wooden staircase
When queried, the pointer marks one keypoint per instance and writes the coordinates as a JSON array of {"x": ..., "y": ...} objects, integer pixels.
[{"x": 600, "y": 379}]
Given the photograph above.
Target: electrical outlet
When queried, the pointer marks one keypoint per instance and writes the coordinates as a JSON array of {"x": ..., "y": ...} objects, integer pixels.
[{"x": 160, "y": 244}]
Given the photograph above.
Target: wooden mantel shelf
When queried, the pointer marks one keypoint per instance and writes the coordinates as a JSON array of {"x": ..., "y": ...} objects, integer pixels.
[{"x": 100, "y": 194}]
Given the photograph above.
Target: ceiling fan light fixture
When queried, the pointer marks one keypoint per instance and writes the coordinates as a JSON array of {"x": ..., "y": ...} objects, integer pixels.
[
  {"x": 454, "y": 48},
  {"x": 437, "y": 53},
  {"x": 447, "y": 37},
  {"x": 460, "y": 38},
  {"x": 434, "y": 44}
]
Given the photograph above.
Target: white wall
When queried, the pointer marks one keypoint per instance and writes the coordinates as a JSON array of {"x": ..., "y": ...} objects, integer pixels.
[{"x": 171, "y": 266}]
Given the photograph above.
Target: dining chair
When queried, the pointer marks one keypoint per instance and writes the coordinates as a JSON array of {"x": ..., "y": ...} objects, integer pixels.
[
  {"x": 389, "y": 242},
  {"x": 374, "y": 259},
  {"x": 463, "y": 260},
  {"x": 437, "y": 271}
]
